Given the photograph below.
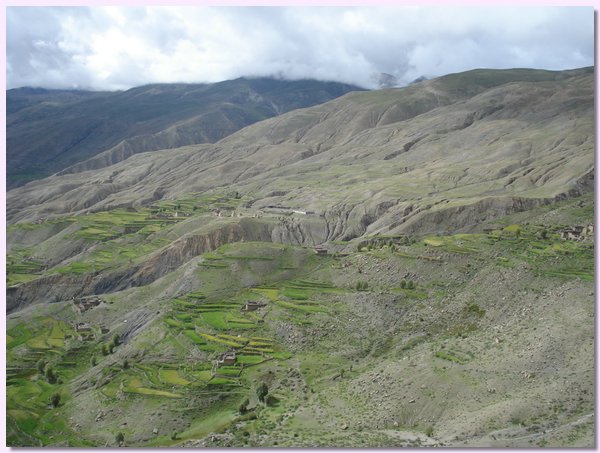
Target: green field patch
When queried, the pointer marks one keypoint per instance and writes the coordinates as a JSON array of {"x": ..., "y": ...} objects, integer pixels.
[
  {"x": 150, "y": 373},
  {"x": 173, "y": 322},
  {"x": 248, "y": 258},
  {"x": 172, "y": 377},
  {"x": 570, "y": 272},
  {"x": 216, "y": 319},
  {"x": 249, "y": 359},
  {"x": 38, "y": 342},
  {"x": 254, "y": 350},
  {"x": 238, "y": 320},
  {"x": 228, "y": 371},
  {"x": 282, "y": 355},
  {"x": 295, "y": 293},
  {"x": 459, "y": 243},
  {"x": 197, "y": 295},
  {"x": 192, "y": 335},
  {"x": 504, "y": 262},
  {"x": 224, "y": 341},
  {"x": 134, "y": 385},
  {"x": 270, "y": 293},
  {"x": 77, "y": 268},
  {"x": 203, "y": 375},
  {"x": 434, "y": 241},
  {"x": 56, "y": 342},
  {"x": 20, "y": 268},
  {"x": 514, "y": 229},
  {"x": 212, "y": 264},
  {"x": 260, "y": 343},
  {"x": 223, "y": 381},
  {"x": 110, "y": 390},
  {"x": 19, "y": 334}
]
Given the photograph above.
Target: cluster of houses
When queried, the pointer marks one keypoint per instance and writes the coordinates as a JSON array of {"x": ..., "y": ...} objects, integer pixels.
[
  {"x": 577, "y": 233},
  {"x": 82, "y": 305},
  {"x": 86, "y": 333}
]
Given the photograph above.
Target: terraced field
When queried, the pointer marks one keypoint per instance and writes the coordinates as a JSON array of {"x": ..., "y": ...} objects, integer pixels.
[{"x": 107, "y": 239}]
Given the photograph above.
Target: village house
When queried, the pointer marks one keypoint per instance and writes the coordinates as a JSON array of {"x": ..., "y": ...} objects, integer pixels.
[
  {"x": 252, "y": 305},
  {"x": 83, "y": 327},
  {"x": 82, "y": 305},
  {"x": 577, "y": 232},
  {"x": 227, "y": 358},
  {"x": 320, "y": 250}
]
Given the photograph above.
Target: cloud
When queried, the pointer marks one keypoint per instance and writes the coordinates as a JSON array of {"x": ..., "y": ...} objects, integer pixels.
[{"x": 121, "y": 47}]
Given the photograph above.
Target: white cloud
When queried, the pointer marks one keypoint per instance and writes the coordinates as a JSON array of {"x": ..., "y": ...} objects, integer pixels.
[{"x": 119, "y": 47}]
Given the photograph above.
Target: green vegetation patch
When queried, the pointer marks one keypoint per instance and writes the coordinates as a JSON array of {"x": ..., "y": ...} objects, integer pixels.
[
  {"x": 192, "y": 335},
  {"x": 134, "y": 385},
  {"x": 172, "y": 377}
]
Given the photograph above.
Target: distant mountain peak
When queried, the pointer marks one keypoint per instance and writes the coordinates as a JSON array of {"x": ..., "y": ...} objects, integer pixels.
[
  {"x": 419, "y": 80},
  {"x": 385, "y": 80}
]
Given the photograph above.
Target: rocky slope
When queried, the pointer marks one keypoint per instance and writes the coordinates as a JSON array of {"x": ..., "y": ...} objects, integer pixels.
[
  {"x": 408, "y": 249},
  {"x": 374, "y": 161}
]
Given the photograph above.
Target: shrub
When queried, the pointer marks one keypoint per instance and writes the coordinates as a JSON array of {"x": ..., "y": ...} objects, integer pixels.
[
  {"x": 244, "y": 406},
  {"x": 93, "y": 361},
  {"x": 50, "y": 376},
  {"x": 125, "y": 364},
  {"x": 361, "y": 286},
  {"x": 476, "y": 310},
  {"x": 41, "y": 365},
  {"x": 262, "y": 392},
  {"x": 115, "y": 340},
  {"x": 104, "y": 349},
  {"x": 403, "y": 284},
  {"x": 55, "y": 399},
  {"x": 271, "y": 401},
  {"x": 410, "y": 285},
  {"x": 174, "y": 435},
  {"x": 429, "y": 431},
  {"x": 120, "y": 438}
]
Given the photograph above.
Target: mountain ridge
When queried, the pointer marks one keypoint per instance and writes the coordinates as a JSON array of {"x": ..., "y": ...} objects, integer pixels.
[{"x": 48, "y": 131}]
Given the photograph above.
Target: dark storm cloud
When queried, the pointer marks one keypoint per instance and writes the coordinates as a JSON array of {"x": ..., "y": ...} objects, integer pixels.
[{"x": 118, "y": 47}]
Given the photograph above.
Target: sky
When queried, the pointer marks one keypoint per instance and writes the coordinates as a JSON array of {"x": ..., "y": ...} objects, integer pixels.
[{"x": 115, "y": 48}]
